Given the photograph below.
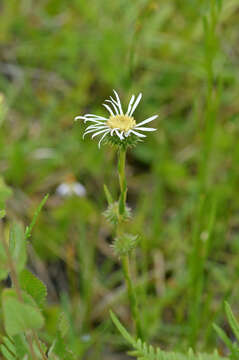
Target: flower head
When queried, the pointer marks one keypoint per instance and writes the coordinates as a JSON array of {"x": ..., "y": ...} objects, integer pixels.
[{"x": 119, "y": 126}]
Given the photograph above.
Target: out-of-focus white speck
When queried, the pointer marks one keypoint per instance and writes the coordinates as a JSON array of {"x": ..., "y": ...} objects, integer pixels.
[
  {"x": 43, "y": 153},
  {"x": 69, "y": 189},
  {"x": 204, "y": 235},
  {"x": 86, "y": 338}
]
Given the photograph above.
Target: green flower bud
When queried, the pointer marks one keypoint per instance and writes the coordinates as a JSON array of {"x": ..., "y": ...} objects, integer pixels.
[
  {"x": 125, "y": 244},
  {"x": 113, "y": 215}
]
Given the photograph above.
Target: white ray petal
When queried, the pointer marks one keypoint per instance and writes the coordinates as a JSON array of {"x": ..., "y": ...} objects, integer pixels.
[
  {"x": 98, "y": 133},
  {"x": 79, "y": 117},
  {"x": 136, "y": 133},
  {"x": 135, "y": 104},
  {"x": 119, "y": 102},
  {"x": 130, "y": 104},
  {"x": 94, "y": 121},
  {"x": 116, "y": 103},
  {"x": 144, "y": 128},
  {"x": 109, "y": 109},
  {"x": 96, "y": 127},
  {"x": 119, "y": 135},
  {"x": 112, "y": 131},
  {"x": 95, "y": 116},
  {"x": 107, "y": 132},
  {"x": 88, "y": 132},
  {"x": 147, "y": 120},
  {"x": 92, "y": 128},
  {"x": 115, "y": 108}
]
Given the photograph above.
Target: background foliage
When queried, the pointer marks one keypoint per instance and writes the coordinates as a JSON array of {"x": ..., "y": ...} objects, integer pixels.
[{"x": 60, "y": 59}]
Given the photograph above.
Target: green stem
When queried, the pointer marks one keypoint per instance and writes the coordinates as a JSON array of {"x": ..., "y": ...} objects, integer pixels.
[
  {"x": 122, "y": 181},
  {"x": 131, "y": 295},
  {"x": 125, "y": 258}
]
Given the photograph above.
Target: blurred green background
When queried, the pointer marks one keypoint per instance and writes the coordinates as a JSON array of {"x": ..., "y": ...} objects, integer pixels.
[{"x": 62, "y": 58}]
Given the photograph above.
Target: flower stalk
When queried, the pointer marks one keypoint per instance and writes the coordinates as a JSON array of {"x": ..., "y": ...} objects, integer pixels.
[
  {"x": 125, "y": 258},
  {"x": 122, "y": 181}
]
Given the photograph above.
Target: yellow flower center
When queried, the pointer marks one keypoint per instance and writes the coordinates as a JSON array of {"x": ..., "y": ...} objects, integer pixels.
[{"x": 122, "y": 122}]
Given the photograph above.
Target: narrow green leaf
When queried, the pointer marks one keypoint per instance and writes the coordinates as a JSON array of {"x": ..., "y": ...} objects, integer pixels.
[
  {"x": 108, "y": 195},
  {"x": 232, "y": 320},
  {"x": 29, "y": 228},
  {"x": 221, "y": 333},
  {"x": 121, "y": 204},
  {"x": 122, "y": 329}
]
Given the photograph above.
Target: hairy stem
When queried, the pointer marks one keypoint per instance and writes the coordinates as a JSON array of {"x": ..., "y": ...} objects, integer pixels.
[
  {"x": 125, "y": 260},
  {"x": 131, "y": 294},
  {"x": 122, "y": 181}
]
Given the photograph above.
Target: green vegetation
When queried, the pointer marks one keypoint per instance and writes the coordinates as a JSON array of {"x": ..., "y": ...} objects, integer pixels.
[{"x": 60, "y": 59}]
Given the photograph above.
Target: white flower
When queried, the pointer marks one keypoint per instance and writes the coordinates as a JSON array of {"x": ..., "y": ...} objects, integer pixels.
[
  {"x": 69, "y": 189},
  {"x": 118, "y": 124}
]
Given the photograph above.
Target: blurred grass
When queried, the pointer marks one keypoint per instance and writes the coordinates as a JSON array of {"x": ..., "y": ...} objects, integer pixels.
[{"x": 59, "y": 59}]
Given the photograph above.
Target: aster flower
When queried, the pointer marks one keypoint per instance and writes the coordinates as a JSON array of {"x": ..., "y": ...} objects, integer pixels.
[{"x": 119, "y": 126}]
